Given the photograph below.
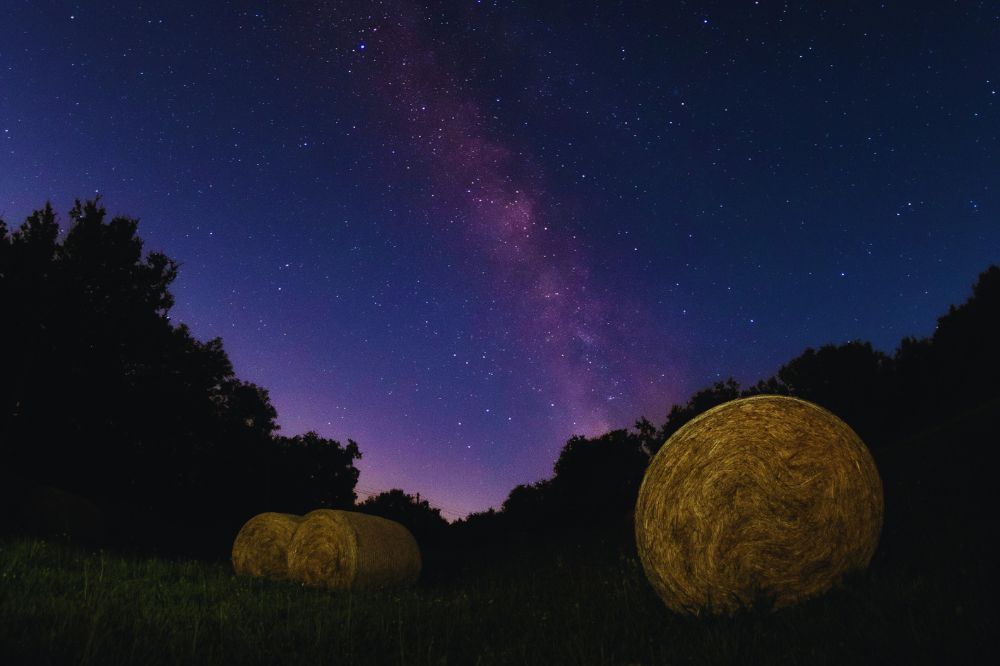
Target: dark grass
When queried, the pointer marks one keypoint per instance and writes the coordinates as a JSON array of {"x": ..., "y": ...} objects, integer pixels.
[
  {"x": 60, "y": 604},
  {"x": 928, "y": 598}
]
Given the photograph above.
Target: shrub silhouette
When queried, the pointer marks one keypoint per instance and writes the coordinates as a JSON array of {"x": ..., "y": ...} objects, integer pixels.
[
  {"x": 104, "y": 396},
  {"x": 417, "y": 515}
]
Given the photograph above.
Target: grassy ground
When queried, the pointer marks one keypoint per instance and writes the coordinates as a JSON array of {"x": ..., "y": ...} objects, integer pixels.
[
  {"x": 928, "y": 598},
  {"x": 60, "y": 604}
]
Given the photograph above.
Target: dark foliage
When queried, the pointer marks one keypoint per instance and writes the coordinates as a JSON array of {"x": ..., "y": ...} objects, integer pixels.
[
  {"x": 437, "y": 550},
  {"x": 701, "y": 401},
  {"x": 104, "y": 396},
  {"x": 417, "y": 515},
  {"x": 851, "y": 380},
  {"x": 885, "y": 399},
  {"x": 587, "y": 504},
  {"x": 309, "y": 472},
  {"x": 531, "y": 505},
  {"x": 597, "y": 479},
  {"x": 965, "y": 351}
]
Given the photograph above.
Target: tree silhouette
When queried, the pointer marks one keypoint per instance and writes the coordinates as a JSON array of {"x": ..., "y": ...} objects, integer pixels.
[
  {"x": 417, "y": 515},
  {"x": 84, "y": 315},
  {"x": 311, "y": 472},
  {"x": 591, "y": 494},
  {"x": 853, "y": 380},
  {"x": 103, "y": 395},
  {"x": 883, "y": 398},
  {"x": 649, "y": 436},
  {"x": 966, "y": 354},
  {"x": 701, "y": 401},
  {"x": 597, "y": 479},
  {"x": 531, "y": 506}
]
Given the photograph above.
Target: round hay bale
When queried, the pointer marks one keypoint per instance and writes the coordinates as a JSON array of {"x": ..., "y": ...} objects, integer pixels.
[
  {"x": 348, "y": 550},
  {"x": 763, "y": 500},
  {"x": 261, "y": 546}
]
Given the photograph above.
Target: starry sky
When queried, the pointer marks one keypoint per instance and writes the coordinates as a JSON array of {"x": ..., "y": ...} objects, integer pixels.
[{"x": 460, "y": 232}]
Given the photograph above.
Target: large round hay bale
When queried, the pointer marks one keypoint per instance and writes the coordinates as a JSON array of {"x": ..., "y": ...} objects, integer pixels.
[
  {"x": 349, "y": 550},
  {"x": 768, "y": 499},
  {"x": 261, "y": 547}
]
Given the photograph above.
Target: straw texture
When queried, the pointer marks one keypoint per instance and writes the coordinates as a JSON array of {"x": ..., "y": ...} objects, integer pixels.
[
  {"x": 768, "y": 499},
  {"x": 261, "y": 547},
  {"x": 348, "y": 550}
]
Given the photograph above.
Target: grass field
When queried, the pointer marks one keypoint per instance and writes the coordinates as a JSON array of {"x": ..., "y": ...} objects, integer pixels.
[
  {"x": 60, "y": 604},
  {"x": 928, "y": 598}
]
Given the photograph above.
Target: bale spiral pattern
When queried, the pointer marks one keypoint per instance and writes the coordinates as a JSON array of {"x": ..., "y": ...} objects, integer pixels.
[
  {"x": 349, "y": 550},
  {"x": 768, "y": 498},
  {"x": 261, "y": 547}
]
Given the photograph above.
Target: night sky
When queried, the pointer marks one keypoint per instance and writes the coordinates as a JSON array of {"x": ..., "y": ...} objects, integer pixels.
[{"x": 460, "y": 232}]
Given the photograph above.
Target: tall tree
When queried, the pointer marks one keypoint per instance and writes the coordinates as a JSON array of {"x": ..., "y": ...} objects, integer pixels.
[
  {"x": 966, "y": 354},
  {"x": 597, "y": 478},
  {"x": 852, "y": 380},
  {"x": 701, "y": 401},
  {"x": 311, "y": 472},
  {"x": 102, "y": 394},
  {"x": 416, "y": 514}
]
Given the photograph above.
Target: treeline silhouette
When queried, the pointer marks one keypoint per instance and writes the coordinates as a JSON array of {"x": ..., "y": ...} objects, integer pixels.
[
  {"x": 927, "y": 386},
  {"x": 103, "y": 397}
]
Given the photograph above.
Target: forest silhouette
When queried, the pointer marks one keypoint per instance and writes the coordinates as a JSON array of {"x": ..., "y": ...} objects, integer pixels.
[{"x": 119, "y": 427}]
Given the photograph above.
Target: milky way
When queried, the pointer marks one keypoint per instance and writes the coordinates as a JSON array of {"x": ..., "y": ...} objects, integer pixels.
[
  {"x": 459, "y": 232},
  {"x": 588, "y": 352},
  {"x": 583, "y": 340}
]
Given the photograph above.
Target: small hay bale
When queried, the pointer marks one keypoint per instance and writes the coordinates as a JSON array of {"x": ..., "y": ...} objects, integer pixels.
[
  {"x": 348, "y": 550},
  {"x": 261, "y": 546},
  {"x": 765, "y": 500}
]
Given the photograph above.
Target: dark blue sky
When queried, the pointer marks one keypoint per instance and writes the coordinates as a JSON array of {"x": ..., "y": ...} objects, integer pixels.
[{"x": 460, "y": 232}]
